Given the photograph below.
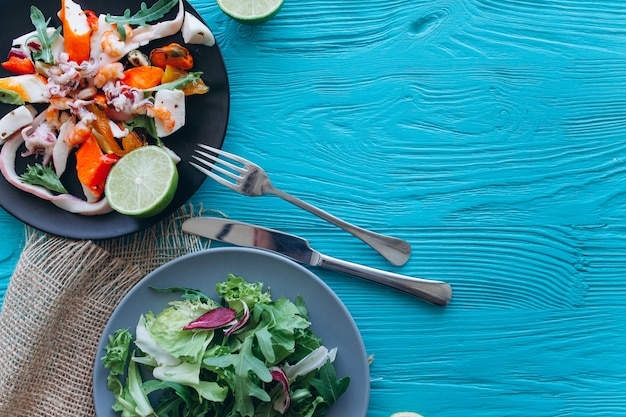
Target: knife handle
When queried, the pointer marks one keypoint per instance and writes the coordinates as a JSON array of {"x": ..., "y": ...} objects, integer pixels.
[{"x": 435, "y": 292}]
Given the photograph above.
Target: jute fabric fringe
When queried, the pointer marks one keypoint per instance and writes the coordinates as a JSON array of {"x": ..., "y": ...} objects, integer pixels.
[{"x": 58, "y": 302}]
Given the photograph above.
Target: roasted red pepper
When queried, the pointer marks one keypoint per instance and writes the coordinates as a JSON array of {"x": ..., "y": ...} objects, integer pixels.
[
  {"x": 92, "y": 20},
  {"x": 93, "y": 166},
  {"x": 19, "y": 65}
]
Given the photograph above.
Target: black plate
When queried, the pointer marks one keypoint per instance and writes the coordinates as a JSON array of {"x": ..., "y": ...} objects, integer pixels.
[{"x": 206, "y": 122}]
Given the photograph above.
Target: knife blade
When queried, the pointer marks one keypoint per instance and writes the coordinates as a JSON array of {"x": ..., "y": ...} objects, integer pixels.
[{"x": 299, "y": 250}]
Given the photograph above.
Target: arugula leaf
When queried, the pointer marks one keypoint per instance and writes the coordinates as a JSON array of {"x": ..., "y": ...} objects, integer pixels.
[
  {"x": 43, "y": 176},
  {"x": 244, "y": 388},
  {"x": 176, "y": 84},
  {"x": 328, "y": 385},
  {"x": 275, "y": 332},
  {"x": 143, "y": 122},
  {"x": 144, "y": 16},
  {"x": 45, "y": 41},
  {"x": 306, "y": 342},
  {"x": 188, "y": 293},
  {"x": 173, "y": 395}
]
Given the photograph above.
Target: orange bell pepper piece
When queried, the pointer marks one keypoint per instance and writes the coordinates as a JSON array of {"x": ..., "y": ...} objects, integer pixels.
[
  {"x": 102, "y": 132},
  {"x": 173, "y": 54},
  {"x": 18, "y": 65},
  {"x": 131, "y": 141},
  {"x": 92, "y": 20},
  {"x": 195, "y": 87},
  {"x": 93, "y": 166},
  {"x": 143, "y": 77}
]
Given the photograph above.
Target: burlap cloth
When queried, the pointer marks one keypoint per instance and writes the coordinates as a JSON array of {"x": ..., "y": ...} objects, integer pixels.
[{"x": 57, "y": 304}]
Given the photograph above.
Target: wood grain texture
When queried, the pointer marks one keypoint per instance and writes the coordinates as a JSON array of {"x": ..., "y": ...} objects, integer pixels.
[
  {"x": 11, "y": 245},
  {"x": 486, "y": 113},
  {"x": 491, "y": 136}
]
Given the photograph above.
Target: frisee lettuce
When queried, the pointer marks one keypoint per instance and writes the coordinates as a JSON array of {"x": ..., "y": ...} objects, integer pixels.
[{"x": 207, "y": 372}]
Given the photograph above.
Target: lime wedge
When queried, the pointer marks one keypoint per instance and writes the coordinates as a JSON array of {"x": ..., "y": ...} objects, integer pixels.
[
  {"x": 142, "y": 183},
  {"x": 251, "y": 12}
]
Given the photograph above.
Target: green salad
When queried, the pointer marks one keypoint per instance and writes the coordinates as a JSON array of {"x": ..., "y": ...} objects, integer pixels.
[{"x": 246, "y": 355}]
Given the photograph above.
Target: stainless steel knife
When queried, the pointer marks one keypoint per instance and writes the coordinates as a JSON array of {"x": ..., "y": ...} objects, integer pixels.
[{"x": 299, "y": 250}]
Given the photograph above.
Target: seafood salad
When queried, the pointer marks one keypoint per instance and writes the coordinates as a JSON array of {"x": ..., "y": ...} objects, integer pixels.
[{"x": 85, "y": 94}]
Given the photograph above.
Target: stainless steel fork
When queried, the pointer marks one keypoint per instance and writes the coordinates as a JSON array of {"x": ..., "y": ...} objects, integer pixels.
[{"x": 249, "y": 179}]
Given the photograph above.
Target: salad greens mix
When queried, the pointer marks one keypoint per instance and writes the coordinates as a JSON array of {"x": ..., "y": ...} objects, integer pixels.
[{"x": 246, "y": 356}]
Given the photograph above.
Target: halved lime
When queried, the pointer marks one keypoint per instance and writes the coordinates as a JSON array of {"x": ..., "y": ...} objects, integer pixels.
[
  {"x": 251, "y": 12},
  {"x": 142, "y": 183}
]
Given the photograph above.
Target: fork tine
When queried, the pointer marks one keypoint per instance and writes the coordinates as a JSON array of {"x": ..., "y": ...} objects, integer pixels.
[
  {"x": 214, "y": 167},
  {"x": 224, "y": 153},
  {"x": 214, "y": 176},
  {"x": 215, "y": 160}
]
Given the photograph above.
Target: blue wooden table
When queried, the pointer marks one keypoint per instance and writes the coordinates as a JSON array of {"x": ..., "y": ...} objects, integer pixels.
[{"x": 489, "y": 134}]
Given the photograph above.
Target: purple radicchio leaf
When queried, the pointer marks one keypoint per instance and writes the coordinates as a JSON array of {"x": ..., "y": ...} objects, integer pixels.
[
  {"x": 283, "y": 401},
  {"x": 213, "y": 319},
  {"x": 245, "y": 317}
]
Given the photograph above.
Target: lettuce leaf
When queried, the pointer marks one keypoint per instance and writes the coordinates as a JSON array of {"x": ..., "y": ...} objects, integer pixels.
[
  {"x": 245, "y": 366},
  {"x": 275, "y": 332},
  {"x": 236, "y": 289},
  {"x": 167, "y": 331},
  {"x": 328, "y": 385},
  {"x": 117, "y": 351}
]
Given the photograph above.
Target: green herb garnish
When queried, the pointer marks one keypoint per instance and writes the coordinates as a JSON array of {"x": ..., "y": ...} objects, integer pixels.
[
  {"x": 176, "y": 84},
  {"x": 143, "y": 122},
  {"x": 144, "y": 16},
  {"x": 45, "y": 41},
  {"x": 43, "y": 176}
]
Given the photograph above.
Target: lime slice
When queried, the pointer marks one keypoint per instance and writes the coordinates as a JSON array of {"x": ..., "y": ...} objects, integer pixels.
[
  {"x": 251, "y": 12},
  {"x": 142, "y": 183}
]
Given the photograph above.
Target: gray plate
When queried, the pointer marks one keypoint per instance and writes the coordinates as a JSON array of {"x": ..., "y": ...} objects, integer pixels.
[{"x": 202, "y": 270}]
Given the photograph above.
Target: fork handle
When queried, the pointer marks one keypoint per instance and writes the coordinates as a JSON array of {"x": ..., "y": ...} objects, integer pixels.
[{"x": 396, "y": 251}]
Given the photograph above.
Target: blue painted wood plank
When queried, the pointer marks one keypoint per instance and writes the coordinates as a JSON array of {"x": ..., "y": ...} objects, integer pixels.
[
  {"x": 512, "y": 128},
  {"x": 11, "y": 245},
  {"x": 490, "y": 135}
]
